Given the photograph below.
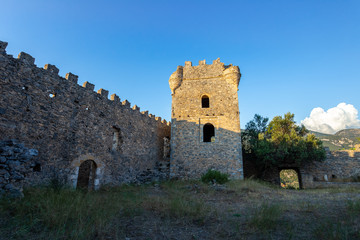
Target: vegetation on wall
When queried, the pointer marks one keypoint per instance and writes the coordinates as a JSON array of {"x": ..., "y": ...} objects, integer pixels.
[
  {"x": 289, "y": 179},
  {"x": 279, "y": 143}
]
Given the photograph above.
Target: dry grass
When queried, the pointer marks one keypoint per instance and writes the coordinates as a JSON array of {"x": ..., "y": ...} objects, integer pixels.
[{"x": 183, "y": 210}]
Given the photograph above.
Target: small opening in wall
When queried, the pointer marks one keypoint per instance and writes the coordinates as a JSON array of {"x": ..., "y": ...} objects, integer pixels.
[
  {"x": 86, "y": 108},
  {"x": 117, "y": 139},
  {"x": 205, "y": 101},
  {"x": 37, "y": 167},
  {"x": 333, "y": 176},
  {"x": 208, "y": 133}
]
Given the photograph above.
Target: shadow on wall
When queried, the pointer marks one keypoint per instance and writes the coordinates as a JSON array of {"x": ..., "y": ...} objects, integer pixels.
[
  {"x": 338, "y": 167},
  {"x": 202, "y": 144}
]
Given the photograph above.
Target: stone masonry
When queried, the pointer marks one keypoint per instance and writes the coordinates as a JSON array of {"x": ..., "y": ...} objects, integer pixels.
[
  {"x": 338, "y": 166},
  {"x": 69, "y": 124},
  {"x": 205, "y": 102},
  {"x": 16, "y": 162}
]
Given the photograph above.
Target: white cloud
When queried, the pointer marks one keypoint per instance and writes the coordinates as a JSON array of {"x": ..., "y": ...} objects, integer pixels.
[{"x": 337, "y": 118}]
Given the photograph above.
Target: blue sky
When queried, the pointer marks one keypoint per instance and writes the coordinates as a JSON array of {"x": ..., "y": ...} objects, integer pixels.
[{"x": 294, "y": 56}]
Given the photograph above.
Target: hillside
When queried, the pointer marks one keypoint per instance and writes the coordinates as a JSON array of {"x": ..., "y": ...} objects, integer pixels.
[{"x": 343, "y": 139}]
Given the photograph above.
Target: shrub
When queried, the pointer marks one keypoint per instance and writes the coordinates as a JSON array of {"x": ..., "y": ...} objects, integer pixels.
[{"x": 215, "y": 177}]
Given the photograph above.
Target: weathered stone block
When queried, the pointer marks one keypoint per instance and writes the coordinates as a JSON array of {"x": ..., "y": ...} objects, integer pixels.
[
  {"x": 115, "y": 98},
  {"x": 135, "y": 108},
  {"x": 26, "y": 58},
  {"x": 89, "y": 86},
  {"x": 103, "y": 92},
  {"x": 71, "y": 77},
  {"x": 126, "y": 103},
  {"x": 51, "y": 68}
]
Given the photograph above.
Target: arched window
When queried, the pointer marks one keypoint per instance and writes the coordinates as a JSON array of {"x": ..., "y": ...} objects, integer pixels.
[
  {"x": 86, "y": 177},
  {"x": 205, "y": 102},
  {"x": 209, "y": 133}
]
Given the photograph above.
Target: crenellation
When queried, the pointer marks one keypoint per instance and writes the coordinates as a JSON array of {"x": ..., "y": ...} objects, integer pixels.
[
  {"x": 3, "y": 46},
  {"x": 188, "y": 63},
  {"x": 71, "y": 77},
  {"x": 216, "y": 61},
  {"x": 202, "y": 62},
  {"x": 158, "y": 119},
  {"x": 26, "y": 58},
  {"x": 51, "y": 68},
  {"x": 88, "y": 86},
  {"x": 136, "y": 108},
  {"x": 164, "y": 121},
  {"x": 115, "y": 98},
  {"x": 125, "y": 103},
  {"x": 146, "y": 113},
  {"x": 103, "y": 92},
  {"x": 151, "y": 116}
]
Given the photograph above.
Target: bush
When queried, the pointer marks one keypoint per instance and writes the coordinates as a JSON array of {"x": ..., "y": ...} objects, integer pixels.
[{"x": 215, "y": 177}]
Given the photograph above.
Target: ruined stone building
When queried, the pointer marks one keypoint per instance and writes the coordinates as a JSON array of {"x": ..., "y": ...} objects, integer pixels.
[
  {"x": 53, "y": 128},
  {"x": 205, "y": 130}
]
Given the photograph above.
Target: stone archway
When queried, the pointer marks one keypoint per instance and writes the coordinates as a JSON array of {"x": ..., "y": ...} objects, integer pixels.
[
  {"x": 86, "y": 170},
  {"x": 290, "y": 178}
]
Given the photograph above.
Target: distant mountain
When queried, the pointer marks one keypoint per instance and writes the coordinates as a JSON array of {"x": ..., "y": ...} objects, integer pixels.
[{"x": 343, "y": 139}]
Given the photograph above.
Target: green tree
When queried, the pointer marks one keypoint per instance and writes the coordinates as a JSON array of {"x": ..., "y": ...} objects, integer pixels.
[
  {"x": 253, "y": 128},
  {"x": 281, "y": 143}
]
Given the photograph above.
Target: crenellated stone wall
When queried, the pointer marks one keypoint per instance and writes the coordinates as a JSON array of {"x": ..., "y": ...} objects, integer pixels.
[{"x": 68, "y": 124}]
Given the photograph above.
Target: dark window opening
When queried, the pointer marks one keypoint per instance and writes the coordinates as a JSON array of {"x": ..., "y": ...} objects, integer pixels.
[
  {"x": 205, "y": 102},
  {"x": 37, "y": 167},
  {"x": 117, "y": 139},
  {"x": 86, "y": 177},
  {"x": 209, "y": 133}
]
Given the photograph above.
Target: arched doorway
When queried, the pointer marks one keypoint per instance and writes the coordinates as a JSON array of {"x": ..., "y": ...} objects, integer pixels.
[
  {"x": 290, "y": 179},
  {"x": 86, "y": 176}
]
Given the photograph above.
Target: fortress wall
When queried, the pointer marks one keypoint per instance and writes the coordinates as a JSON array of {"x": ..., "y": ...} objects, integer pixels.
[
  {"x": 339, "y": 165},
  {"x": 68, "y": 123}
]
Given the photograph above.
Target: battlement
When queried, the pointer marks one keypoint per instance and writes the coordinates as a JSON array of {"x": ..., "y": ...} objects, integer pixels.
[
  {"x": 52, "y": 70},
  {"x": 216, "y": 70}
]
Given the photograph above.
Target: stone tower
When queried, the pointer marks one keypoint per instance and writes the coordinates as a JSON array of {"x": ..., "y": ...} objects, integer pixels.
[{"x": 205, "y": 128}]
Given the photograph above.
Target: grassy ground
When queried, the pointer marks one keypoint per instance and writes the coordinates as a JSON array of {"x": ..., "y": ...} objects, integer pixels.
[{"x": 183, "y": 210}]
